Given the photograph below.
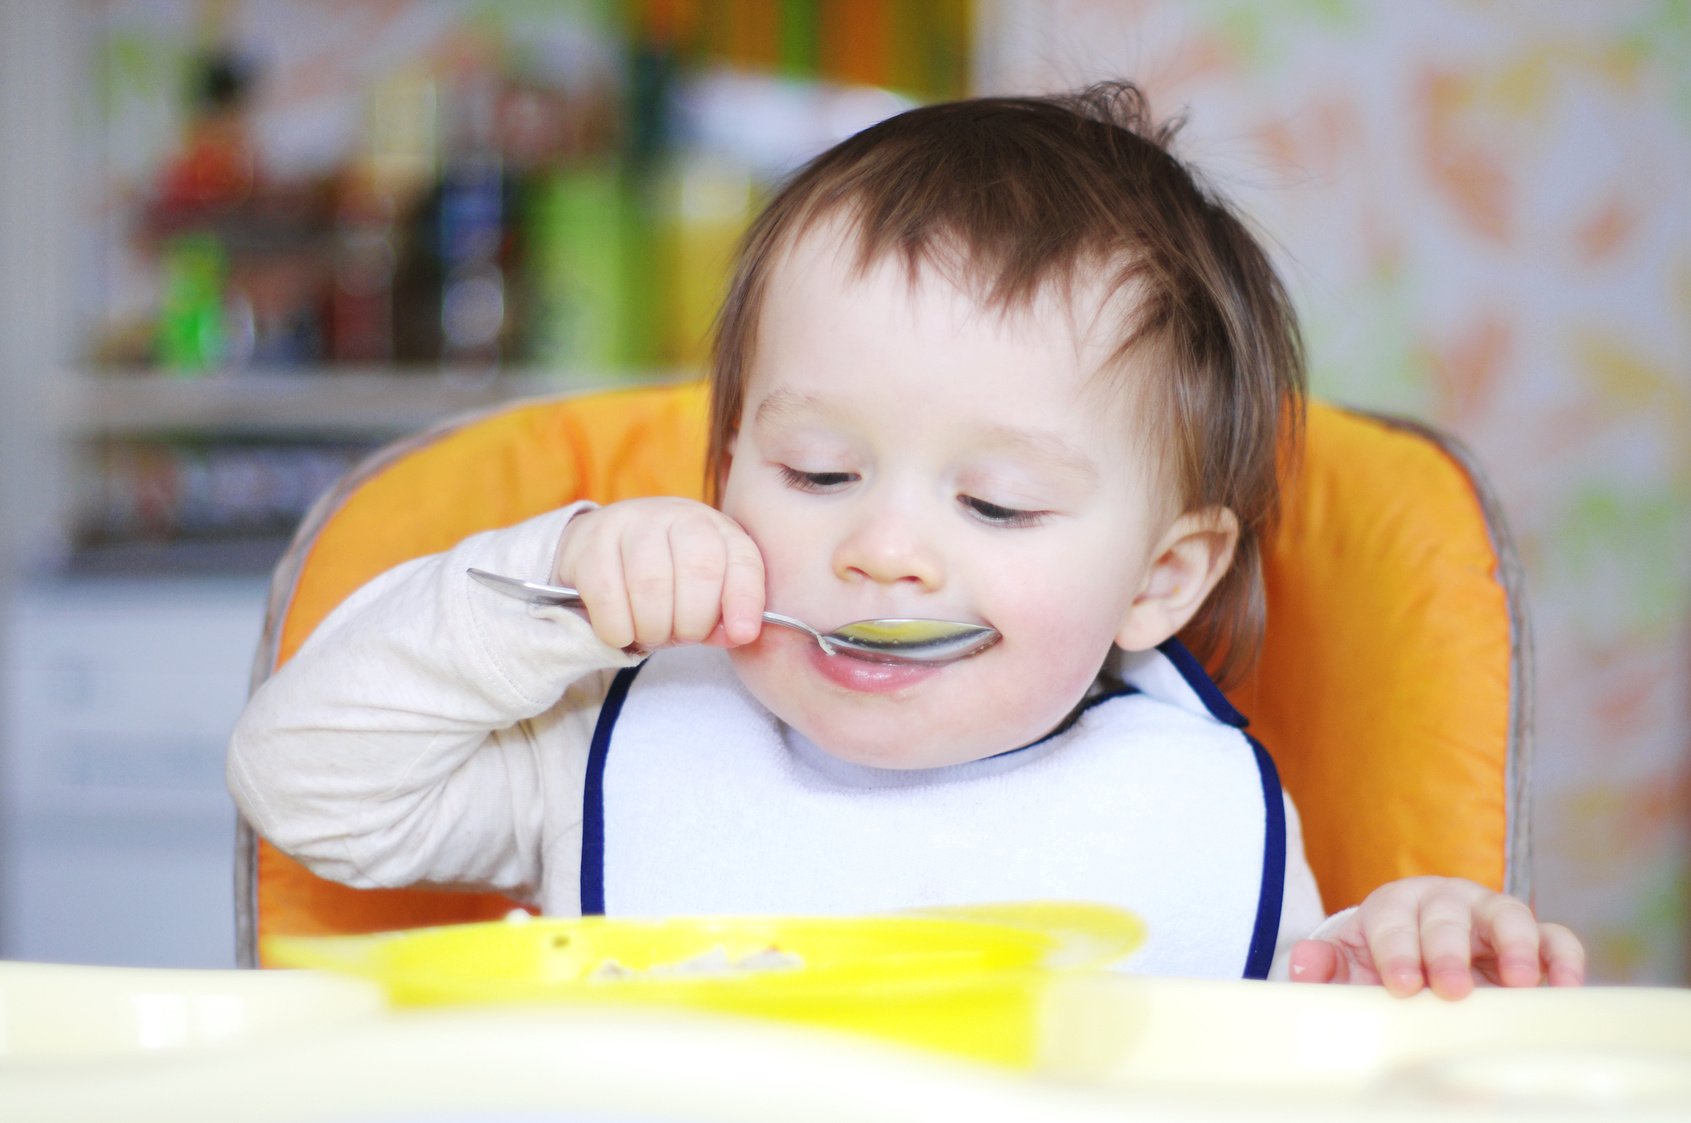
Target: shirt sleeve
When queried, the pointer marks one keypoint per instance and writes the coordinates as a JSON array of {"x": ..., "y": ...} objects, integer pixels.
[{"x": 430, "y": 731}]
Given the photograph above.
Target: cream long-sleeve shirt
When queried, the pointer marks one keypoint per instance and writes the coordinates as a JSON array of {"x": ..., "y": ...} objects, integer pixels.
[{"x": 434, "y": 732}]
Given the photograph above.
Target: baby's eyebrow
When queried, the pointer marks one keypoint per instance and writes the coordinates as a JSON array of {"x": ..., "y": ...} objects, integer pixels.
[
  {"x": 1049, "y": 447},
  {"x": 784, "y": 403}
]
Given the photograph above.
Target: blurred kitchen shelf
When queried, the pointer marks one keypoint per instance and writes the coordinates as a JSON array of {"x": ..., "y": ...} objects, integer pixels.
[
  {"x": 230, "y": 556},
  {"x": 319, "y": 402}
]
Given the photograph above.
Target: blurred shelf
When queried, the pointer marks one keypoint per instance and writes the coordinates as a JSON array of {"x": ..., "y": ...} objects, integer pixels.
[
  {"x": 234, "y": 555},
  {"x": 314, "y": 403}
]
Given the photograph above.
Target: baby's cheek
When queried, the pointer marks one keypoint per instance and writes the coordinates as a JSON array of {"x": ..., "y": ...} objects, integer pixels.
[
  {"x": 1039, "y": 692},
  {"x": 1063, "y": 655}
]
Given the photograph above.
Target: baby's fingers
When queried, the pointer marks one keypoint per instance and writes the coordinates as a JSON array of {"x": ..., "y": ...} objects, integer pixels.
[
  {"x": 1393, "y": 930},
  {"x": 604, "y": 595},
  {"x": 1508, "y": 926},
  {"x": 1562, "y": 956},
  {"x": 1317, "y": 961},
  {"x": 1447, "y": 925},
  {"x": 742, "y": 588},
  {"x": 660, "y": 571},
  {"x": 648, "y": 569},
  {"x": 700, "y": 561},
  {"x": 590, "y": 560}
]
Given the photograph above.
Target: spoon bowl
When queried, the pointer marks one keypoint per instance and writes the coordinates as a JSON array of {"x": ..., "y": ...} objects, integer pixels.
[{"x": 891, "y": 640}]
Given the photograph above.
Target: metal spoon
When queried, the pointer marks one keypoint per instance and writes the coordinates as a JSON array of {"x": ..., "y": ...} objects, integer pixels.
[{"x": 877, "y": 641}]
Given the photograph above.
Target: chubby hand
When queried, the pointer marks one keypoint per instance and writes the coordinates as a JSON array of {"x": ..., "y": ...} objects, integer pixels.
[
  {"x": 664, "y": 571},
  {"x": 1444, "y": 933}
]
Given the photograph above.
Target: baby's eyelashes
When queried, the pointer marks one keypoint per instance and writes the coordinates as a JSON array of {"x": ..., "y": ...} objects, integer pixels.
[
  {"x": 816, "y": 481},
  {"x": 983, "y": 510},
  {"x": 998, "y": 515}
]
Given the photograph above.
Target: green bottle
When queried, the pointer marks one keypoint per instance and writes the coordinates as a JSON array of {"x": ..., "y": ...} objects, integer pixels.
[{"x": 191, "y": 331}]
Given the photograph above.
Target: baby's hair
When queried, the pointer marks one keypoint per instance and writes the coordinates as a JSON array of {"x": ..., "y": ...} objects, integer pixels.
[{"x": 1011, "y": 196}]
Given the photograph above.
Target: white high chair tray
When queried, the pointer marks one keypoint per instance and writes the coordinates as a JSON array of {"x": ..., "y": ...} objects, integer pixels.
[{"x": 79, "y": 1043}]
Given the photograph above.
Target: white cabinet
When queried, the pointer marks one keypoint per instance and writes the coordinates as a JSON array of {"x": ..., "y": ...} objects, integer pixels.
[{"x": 116, "y": 830}]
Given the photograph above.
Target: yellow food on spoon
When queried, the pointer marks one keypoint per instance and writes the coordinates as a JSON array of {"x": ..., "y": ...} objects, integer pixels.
[{"x": 885, "y": 632}]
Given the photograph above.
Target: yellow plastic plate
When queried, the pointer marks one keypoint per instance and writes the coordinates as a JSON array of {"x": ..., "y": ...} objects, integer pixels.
[{"x": 963, "y": 980}]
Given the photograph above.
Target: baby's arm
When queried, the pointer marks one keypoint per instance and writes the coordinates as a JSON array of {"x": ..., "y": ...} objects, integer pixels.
[
  {"x": 1443, "y": 933},
  {"x": 424, "y": 729}
]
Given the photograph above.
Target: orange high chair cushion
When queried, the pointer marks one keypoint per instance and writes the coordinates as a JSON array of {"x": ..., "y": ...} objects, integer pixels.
[
  {"x": 1393, "y": 684},
  {"x": 1386, "y": 692}
]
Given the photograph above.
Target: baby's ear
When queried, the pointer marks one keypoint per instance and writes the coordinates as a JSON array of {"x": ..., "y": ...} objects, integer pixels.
[{"x": 1190, "y": 559}]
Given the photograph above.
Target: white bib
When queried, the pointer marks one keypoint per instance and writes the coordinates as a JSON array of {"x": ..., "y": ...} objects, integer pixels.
[{"x": 700, "y": 801}]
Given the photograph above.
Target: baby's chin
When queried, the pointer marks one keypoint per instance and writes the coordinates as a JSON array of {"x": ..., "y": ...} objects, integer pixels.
[
  {"x": 874, "y": 738},
  {"x": 901, "y": 756},
  {"x": 886, "y": 731}
]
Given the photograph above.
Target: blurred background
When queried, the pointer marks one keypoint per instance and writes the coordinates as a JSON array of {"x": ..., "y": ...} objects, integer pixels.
[{"x": 243, "y": 242}]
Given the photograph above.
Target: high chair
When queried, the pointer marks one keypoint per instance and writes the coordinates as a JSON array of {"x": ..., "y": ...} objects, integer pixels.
[{"x": 1393, "y": 691}]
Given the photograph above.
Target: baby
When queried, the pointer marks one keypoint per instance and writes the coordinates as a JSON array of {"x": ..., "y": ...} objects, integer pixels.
[{"x": 1003, "y": 361}]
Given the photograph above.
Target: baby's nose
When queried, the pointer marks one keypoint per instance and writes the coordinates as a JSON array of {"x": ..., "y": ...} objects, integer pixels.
[{"x": 890, "y": 546}]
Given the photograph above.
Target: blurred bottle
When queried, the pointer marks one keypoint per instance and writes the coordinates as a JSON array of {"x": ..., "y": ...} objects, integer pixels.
[
  {"x": 800, "y": 38},
  {"x": 191, "y": 333},
  {"x": 693, "y": 205},
  {"x": 393, "y": 172},
  {"x": 214, "y": 168},
  {"x": 587, "y": 268},
  {"x": 360, "y": 311},
  {"x": 473, "y": 221},
  {"x": 707, "y": 202},
  {"x": 211, "y": 174},
  {"x": 590, "y": 221}
]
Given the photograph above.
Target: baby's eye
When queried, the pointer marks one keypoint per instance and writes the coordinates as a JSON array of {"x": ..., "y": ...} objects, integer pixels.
[
  {"x": 816, "y": 481},
  {"x": 1000, "y": 516}
]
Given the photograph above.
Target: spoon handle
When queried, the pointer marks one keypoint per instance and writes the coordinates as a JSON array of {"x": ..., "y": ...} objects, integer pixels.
[
  {"x": 531, "y": 591},
  {"x": 535, "y": 593}
]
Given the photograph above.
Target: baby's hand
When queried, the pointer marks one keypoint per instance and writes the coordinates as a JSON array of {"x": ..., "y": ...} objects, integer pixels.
[
  {"x": 664, "y": 571},
  {"x": 1445, "y": 933}
]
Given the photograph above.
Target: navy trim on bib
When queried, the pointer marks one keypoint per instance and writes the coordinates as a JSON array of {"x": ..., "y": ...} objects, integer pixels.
[
  {"x": 593, "y": 795},
  {"x": 1199, "y": 680},
  {"x": 1121, "y": 691},
  {"x": 1266, "y": 931}
]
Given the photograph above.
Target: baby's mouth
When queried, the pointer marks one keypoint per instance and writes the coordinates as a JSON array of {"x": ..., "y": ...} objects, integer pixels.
[{"x": 866, "y": 677}]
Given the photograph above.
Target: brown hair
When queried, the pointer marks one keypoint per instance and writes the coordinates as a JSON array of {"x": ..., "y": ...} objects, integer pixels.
[{"x": 1018, "y": 194}]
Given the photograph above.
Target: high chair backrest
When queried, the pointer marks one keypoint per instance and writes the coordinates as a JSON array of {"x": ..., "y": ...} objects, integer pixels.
[{"x": 1393, "y": 689}]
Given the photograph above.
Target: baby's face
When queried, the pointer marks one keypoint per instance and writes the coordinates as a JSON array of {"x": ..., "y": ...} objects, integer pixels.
[{"x": 904, "y": 451}]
